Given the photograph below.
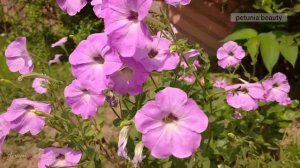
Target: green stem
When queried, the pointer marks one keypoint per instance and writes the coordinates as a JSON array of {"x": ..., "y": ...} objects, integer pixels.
[{"x": 151, "y": 77}]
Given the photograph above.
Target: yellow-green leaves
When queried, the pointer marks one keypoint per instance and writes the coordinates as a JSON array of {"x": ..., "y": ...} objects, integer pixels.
[{"x": 241, "y": 35}]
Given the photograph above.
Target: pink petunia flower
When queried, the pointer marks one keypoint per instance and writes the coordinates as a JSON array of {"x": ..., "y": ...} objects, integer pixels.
[
  {"x": 22, "y": 117},
  {"x": 72, "y": 7},
  {"x": 230, "y": 55},
  {"x": 83, "y": 100},
  {"x": 169, "y": 122},
  {"x": 189, "y": 55},
  {"x": 123, "y": 138},
  {"x": 18, "y": 58},
  {"x": 38, "y": 85},
  {"x": 55, "y": 60},
  {"x": 190, "y": 78},
  {"x": 60, "y": 42},
  {"x": 97, "y": 7},
  {"x": 4, "y": 130},
  {"x": 244, "y": 96},
  {"x": 124, "y": 20},
  {"x": 156, "y": 56},
  {"x": 59, "y": 157},
  {"x": 277, "y": 88},
  {"x": 178, "y": 2},
  {"x": 129, "y": 79},
  {"x": 93, "y": 60},
  {"x": 220, "y": 84}
]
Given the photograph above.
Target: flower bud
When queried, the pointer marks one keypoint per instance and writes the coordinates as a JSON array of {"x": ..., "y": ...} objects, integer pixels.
[
  {"x": 138, "y": 154},
  {"x": 123, "y": 137}
]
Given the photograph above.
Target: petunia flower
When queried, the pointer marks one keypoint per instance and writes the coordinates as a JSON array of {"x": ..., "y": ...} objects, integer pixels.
[
  {"x": 17, "y": 57},
  {"x": 83, "y": 100},
  {"x": 4, "y": 130},
  {"x": 138, "y": 154},
  {"x": 123, "y": 137},
  {"x": 156, "y": 56},
  {"x": 277, "y": 88},
  {"x": 38, "y": 85},
  {"x": 93, "y": 60},
  {"x": 190, "y": 78},
  {"x": 230, "y": 55},
  {"x": 23, "y": 118},
  {"x": 60, "y": 42},
  {"x": 129, "y": 79},
  {"x": 171, "y": 124},
  {"x": 59, "y": 157},
  {"x": 220, "y": 84},
  {"x": 192, "y": 53},
  {"x": 244, "y": 96},
  {"x": 125, "y": 26},
  {"x": 55, "y": 60},
  {"x": 97, "y": 7},
  {"x": 72, "y": 7},
  {"x": 178, "y": 2}
]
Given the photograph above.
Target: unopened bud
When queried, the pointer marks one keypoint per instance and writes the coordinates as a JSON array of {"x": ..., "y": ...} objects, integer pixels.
[
  {"x": 123, "y": 137},
  {"x": 138, "y": 154}
]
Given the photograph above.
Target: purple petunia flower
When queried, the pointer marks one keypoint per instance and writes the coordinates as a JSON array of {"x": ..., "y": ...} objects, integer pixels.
[
  {"x": 93, "y": 60},
  {"x": 156, "y": 56},
  {"x": 277, "y": 88},
  {"x": 83, "y": 100},
  {"x": 17, "y": 57},
  {"x": 129, "y": 79},
  {"x": 178, "y": 2},
  {"x": 189, "y": 55},
  {"x": 4, "y": 130},
  {"x": 97, "y": 7},
  {"x": 60, "y": 42},
  {"x": 123, "y": 137},
  {"x": 22, "y": 117},
  {"x": 59, "y": 157},
  {"x": 230, "y": 55},
  {"x": 124, "y": 20},
  {"x": 220, "y": 84},
  {"x": 38, "y": 85},
  {"x": 71, "y": 6},
  {"x": 190, "y": 78},
  {"x": 169, "y": 122},
  {"x": 55, "y": 60},
  {"x": 244, "y": 96}
]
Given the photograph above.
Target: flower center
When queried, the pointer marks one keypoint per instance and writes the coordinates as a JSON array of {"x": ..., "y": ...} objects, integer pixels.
[
  {"x": 127, "y": 72},
  {"x": 170, "y": 118},
  {"x": 133, "y": 16},
  {"x": 152, "y": 53},
  {"x": 99, "y": 59},
  {"x": 231, "y": 54},
  {"x": 275, "y": 85},
  {"x": 60, "y": 157},
  {"x": 29, "y": 108}
]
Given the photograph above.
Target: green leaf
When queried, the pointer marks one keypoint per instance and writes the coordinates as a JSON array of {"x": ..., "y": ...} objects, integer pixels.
[
  {"x": 269, "y": 48},
  {"x": 253, "y": 47},
  {"x": 241, "y": 35},
  {"x": 289, "y": 49}
]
